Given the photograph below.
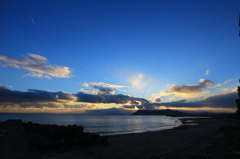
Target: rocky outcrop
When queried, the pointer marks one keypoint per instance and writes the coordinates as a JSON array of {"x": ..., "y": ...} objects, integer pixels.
[{"x": 61, "y": 138}]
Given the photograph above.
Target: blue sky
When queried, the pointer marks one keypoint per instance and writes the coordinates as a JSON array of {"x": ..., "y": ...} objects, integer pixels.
[{"x": 174, "y": 51}]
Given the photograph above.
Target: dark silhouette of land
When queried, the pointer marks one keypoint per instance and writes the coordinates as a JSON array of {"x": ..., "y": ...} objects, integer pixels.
[
  {"x": 28, "y": 141},
  {"x": 160, "y": 112},
  {"x": 213, "y": 137},
  {"x": 60, "y": 138},
  {"x": 13, "y": 141},
  {"x": 198, "y": 138}
]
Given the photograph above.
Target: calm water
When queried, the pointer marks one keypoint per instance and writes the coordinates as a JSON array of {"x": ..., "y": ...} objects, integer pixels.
[{"x": 101, "y": 124}]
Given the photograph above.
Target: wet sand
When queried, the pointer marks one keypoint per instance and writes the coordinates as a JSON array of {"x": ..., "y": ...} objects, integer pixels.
[{"x": 190, "y": 140}]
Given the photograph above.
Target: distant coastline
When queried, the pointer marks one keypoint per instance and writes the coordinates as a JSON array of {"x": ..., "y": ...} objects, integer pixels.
[{"x": 167, "y": 112}]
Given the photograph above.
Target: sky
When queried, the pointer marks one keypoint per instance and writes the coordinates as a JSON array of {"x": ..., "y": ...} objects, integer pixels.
[{"x": 118, "y": 56}]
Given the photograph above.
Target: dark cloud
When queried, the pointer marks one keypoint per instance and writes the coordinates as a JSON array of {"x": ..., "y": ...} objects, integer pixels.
[
  {"x": 158, "y": 99},
  {"x": 134, "y": 106},
  {"x": 109, "y": 98},
  {"x": 33, "y": 95},
  {"x": 79, "y": 106},
  {"x": 144, "y": 106},
  {"x": 39, "y": 99},
  {"x": 44, "y": 105},
  {"x": 29, "y": 105},
  {"x": 38, "y": 105},
  {"x": 104, "y": 90},
  {"x": 191, "y": 89},
  {"x": 100, "y": 88},
  {"x": 226, "y": 100}
]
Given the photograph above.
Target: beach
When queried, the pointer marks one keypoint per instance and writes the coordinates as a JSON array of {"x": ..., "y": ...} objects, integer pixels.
[{"x": 196, "y": 138}]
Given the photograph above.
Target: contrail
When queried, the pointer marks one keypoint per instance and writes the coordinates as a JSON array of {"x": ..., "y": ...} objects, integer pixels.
[{"x": 32, "y": 20}]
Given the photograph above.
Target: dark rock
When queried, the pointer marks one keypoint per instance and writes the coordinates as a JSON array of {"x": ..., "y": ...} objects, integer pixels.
[{"x": 60, "y": 138}]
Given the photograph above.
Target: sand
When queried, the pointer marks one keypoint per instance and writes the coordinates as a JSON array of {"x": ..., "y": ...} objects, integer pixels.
[{"x": 191, "y": 140}]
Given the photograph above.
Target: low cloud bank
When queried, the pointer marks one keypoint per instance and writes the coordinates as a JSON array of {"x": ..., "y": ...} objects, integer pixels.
[
  {"x": 109, "y": 98},
  {"x": 39, "y": 99},
  {"x": 38, "y": 96},
  {"x": 33, "y": 95},
  {"x": 226, "y": 100}
]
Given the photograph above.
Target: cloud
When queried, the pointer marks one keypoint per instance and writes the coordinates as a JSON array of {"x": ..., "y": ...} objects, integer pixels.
[
  {"x": 41, "y": 105},
  {"x": 207, "y": 72},
  {"x": 190, "y": 90},
  {"x": 38, "y": 65},
  {"x": 29, "y": 105},
  {"x": 7, "y": 63},
  {"x": 7, "y": 95},
  {"x": 226, "y": 100},
  {"x": 33, "y": 95},
  {"x": 38, "y": 75},
  {"x": 45, "y": 99},
  {"x": 109, "y": 98},
  {"x": 5, "y": 86},
  {"x": 137, "y": 106},
  {"x": 101, "y": 88},
  {"x": 73, "y": 106},
  {"x": 227, "y": 81},
  {"x": 32, "y": 20},
  {"x": 102, "y": 84},
  {"x": 158, "y": 99},
  {"x": 140, "y": 75}
]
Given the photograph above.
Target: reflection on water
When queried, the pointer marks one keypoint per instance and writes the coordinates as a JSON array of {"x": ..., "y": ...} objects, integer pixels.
[{"x": 101, "y": 124}]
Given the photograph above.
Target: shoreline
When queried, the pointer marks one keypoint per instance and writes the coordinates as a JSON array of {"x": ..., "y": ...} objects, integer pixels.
[
  {"x": 192, "y": 138},
  {"x": 196, "y": 138},
  {"x": 185, "y": 121}
]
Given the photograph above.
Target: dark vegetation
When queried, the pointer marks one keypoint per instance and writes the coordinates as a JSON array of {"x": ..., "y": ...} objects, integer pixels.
[{"x": 61, "y": 138}]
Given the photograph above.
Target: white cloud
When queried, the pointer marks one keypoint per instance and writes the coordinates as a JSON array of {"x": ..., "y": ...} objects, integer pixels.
[
  {"x": 207, "y": 72},
  {"x": 38, "y": 65},
  {"x": 101, "y": 84},
  {"x": 227, "y": 81},
  {"x": 100, "y": 88},
  {"x": 88, "y": 90},
  {"x": 140, "y": 75},
  {"x": 4, "y": 86},
  {"x": 190, "y": 90}
]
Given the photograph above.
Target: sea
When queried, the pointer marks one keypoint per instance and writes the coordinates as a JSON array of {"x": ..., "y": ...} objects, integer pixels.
[{"x": 101, "y": 124}]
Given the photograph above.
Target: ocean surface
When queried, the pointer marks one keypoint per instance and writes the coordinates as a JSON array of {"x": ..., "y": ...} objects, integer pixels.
[{"x": 101, "y": 124}]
